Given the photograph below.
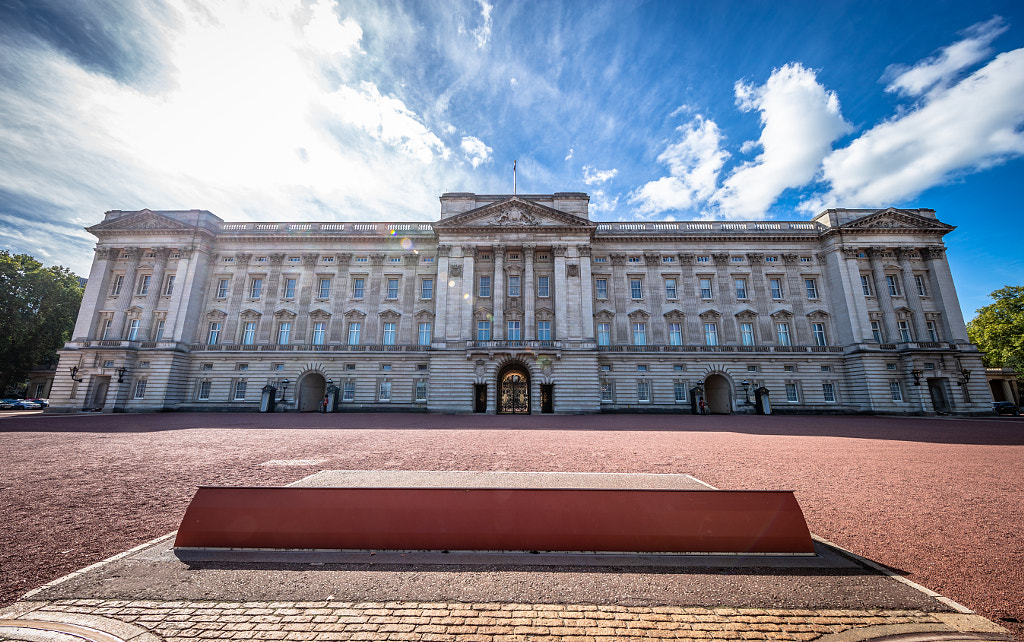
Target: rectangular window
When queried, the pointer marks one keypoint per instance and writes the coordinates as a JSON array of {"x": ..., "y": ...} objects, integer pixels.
[
  {"x": 747, "y": 333},
  {"x": 865, "y": 285},
  {"x": 791, "y": 393},
  {"x": 876, "y": 331},
  {"x": 160, "y": 330},
  {"x": 544, "y": 330},
  {"x": 289, "y": 289},
  {"x": 144, "y": 284},
  {"x": 818, "y": 329},
  {"x": 392, "y": 288},
  {"x": 325, "y": 289},
  {"x": 115, "y": 290},
  {"x": 543, "y": 287},
  {"x": 675, "y": 334},
  {"x": 133, "y": 329},
  {"x": 204, "y": 390},
  {"x": 741, "y": 288},
  {"x": 904, "y": 328},
  {"x": 711, "y": 334},
  {"x": 427, "y": 289},
  {"x": 483, "y": 330},
  {"x": 384, "y": 391},
  {"x": 601, "y": 287},
  {"x": 919, "y": 281},
  {"x": 776, "y": 287},
  {"x": 933, "y": 333},
  {"x": 249, "y": 333},
  {"x": 828, "y": 392},
  {"x": 513, "y": 286},
  {"x": 705, "y": 289},
  {"x": 240, "y": 390},
  {"x": 606, "y": 390},
  {"x": 358, "y": 286},
  {"x": 703, "y": 259},
  {"x": 213, "y": 336},
  {"x": 679, "y": 388},
  {"x": 421, "y": 390},
  {"x": 643, "y": 390},
  {"x": 812, "y": 288},
  {"x": 425, "y": 334},
  {"x": 255, "y": 288},
  {"x": 222, "y": 288},
  {"x": 639, "y": 334},
  {"x": 636, "y": 288},
  {"x": 319, "y": 331},
  {"x": 284, "y": 333},
  {"x": 389, "y": 334},
  {"x": 140, "y": 389},
  {"x": 484, "y": 287},
  {"x": 894, "y": 288},
  {"x": 513, "y": 331},
  {"x": 348, "y": 390},
  {"x": 604, "y": 334},
  {"x": 354, "y": 328},
  {"x": 169, "y": 287},
  {"x": 670, "y": 288},
  {"x": 895, "y": 391},
  {"x": 782, "y": 329}
]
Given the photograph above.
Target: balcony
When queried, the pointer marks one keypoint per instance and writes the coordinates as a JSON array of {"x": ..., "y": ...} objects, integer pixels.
[
  {"x": 733, "y": 349},
  {"x": 202, "y": 347}
]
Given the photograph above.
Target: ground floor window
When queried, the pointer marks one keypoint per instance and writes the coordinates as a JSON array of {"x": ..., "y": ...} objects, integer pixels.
[
  {"x": 643, "y": 390},
  {"x": 140, "y": 389},
  {"x": 348, "y": 392},
  {"x": 680, "y": 391},
  {"x": 792, "y": 395},
  {"x": 421, "y": 390},
  {"x": 240, "y": 390},
  {"x": 895, "y": 391},
  {"x": 606, "y": 390},
  {"x": 384, "y": 391},
  {"x": 204, "y": 391},
  {"x": 829, "y": 392}
]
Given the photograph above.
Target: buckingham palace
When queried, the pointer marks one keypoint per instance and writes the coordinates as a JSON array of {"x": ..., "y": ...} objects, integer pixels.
[{"x": 522, "y": 304}]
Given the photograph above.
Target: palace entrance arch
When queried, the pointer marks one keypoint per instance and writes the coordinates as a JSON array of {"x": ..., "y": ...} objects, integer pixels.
[
  {"x": 719, "y": 397},
  {"x": 312, "y": 389},
  {"x": 514, "y": 390}
]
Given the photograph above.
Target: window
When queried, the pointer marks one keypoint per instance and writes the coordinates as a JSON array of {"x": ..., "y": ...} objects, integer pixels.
[
  {"x": 791, "y": 393},
  {"x": 204, "y": 390},
  {"x": 544, "y": 330},
  {"x": 421, "y": 390},
  {"x": 894, "y": 288},
  {"x": 319, "y": 330},
  {"x": 108, "y": 364},
  {"x": 543, "y": 289},
  {"x": 249, "y": 333},
  {"x": 284, "y": 333},
  {"x": 876, "y": 331},
  {"x": 636, "y": 288},
  {"x": 705, "y": 289},
  {"x": 736, "y": 259},
  {"x": 601, "y": 287},
  {"x": 751, "y": 368},
  {"x": 222, "y": 288},
  {"x": 603, "y": 334},
  {"x": 675, "y": 334},
  {"x": 812, "y": 288},
  {"x": 679, "y": 387},
  {"x": 711, "y": 334},
  {"x": 933, "y": 334},
  {"x": 115, "y": 290},
  {"x": 741, "y": 289},
  {"x": 289, "y": 289},
  {"x": 425, "y": 334},
  {"x": 514, "y": 331},
  {"x": 206, "y": 366},
  {"x": 818, "y": 330},
  {"x": 160, "y": 330},
  {"x": 895, "y": 391},
  {"x": 348, "y": 390},
  {"x": 133, "y": 329},
  {"x": 919, "y": 281},
  {"x": 771, "y": 259},
  {"x": 703, "y": 259},
  {"x": 890, "y": 366},
  {"x": 904, "y": 328},
  {"x": 634, "y": 259},
  {"x": 826, "y": 368},
  {"x": 606, "y": 390},
  {"x": 782, "y": 329},
  {"x": 513, "y": 256},
  {"x": 828, "y": 392},
  {"x": 325, "y": 289},
  {"x": 747, "y": 333},
  {"x": 484, "y": 287},
  {"x": 776, "y": 287},
  {"x": 606, "y": 367},
  {"x": 643, "y": 391},
  {"x": 789, "y": 368},
  {"x": 144, "y": 284},
  {"x": 392, "y": 288},
  {"x": 639, "y": 334},
  {"x": 358, "y": 286},
  {"x": 513, "y": 285},
  {"x": 641, "y": 368},
  {"x": 277, "y": 367},
  {"x": 483, "y": 330},
  {"x": 255, "y": 288},
  {"x": 668, "y": 259},
  {"x": 354, "y": 328},
  {"x": 385, "y": 367},
  {"x": 328, "y": 259},
  {"x": 169, "y": 287},
  {"x": 865, "y": 285},
  {"x": 140, "y": 389},
  {"x": 389, "y": 334},
  {"x": 240, "y": 390},
  {"x": 427, "y": 289},
  {"x": 670, "y": 288}
]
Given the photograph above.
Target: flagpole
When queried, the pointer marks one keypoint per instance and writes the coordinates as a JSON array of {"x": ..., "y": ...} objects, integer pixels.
[{"x": 514, "y": 186}]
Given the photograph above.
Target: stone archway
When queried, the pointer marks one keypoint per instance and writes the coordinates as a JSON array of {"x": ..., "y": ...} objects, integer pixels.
[
  {"x": 312, "y": 388},
  {"x": 718, "y": 394},
  {"x": 514, "y": 390}
]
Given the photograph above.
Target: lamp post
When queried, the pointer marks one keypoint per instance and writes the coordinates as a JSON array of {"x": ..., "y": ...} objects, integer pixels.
[
  {"x": 74, "y": 374},
  {"x": 746, "y": 391},
  {"x": 284, "y": 390},
  {"x": 917, "y": 376},
  {"x": 120, "y": 374}
]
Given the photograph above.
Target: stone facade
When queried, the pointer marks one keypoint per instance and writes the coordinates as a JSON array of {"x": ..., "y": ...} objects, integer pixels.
[{"x": 522, "y": 304}]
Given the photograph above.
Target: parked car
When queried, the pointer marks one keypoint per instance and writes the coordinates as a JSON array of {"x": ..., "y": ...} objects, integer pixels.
[
  {"x": 1006, "y": 408},
  {"x": 45, "y": 403},
  {"x": 7, "y": 404}
]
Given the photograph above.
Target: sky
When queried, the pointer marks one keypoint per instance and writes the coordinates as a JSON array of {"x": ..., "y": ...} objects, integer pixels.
[{"x": 323, "y": 110}]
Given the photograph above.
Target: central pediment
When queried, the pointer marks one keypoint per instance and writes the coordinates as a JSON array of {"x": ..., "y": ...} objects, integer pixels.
[
  {"x": 514, "y": 213},
  {"x": 144, "y": 220},
  {"x": 893, "y": 219}
]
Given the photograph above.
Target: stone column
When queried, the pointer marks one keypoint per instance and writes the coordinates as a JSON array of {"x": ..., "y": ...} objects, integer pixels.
[
  {"x": 303, "y": 331},
  {"x": 498, "y": 292},
  {"x": 796, "y": 294},
  {"x": 561, "y": 291},
  {"x": 239, "y": 291},
  {"x": 156, "y": 285},
  {"x": 690, "y": 298},
  {"x": 620, "y": 300},
  {"x": 127, "y": 292},
  {"x": 758, "y": 285},
  {"x": 441, "y": 296},
  {"x": 892, "y": 334},
  {"x": 852, "y": 294},
  {"x": 944, "y": 294},
  {"x": 408, "y": 326},
  {"x": 586, "y": 293},
  {"x": 467, "y": 294},
  {"x": 529, "y": 294},
  {"x": 728, "y": 332},
  {"x": 96, "y": 290},
  {"x": 340, "y": 303},
  {"x": 910, "y": 291}
]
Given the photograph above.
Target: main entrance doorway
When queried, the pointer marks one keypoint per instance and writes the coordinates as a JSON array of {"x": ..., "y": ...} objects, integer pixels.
[
  {"x": 312, "y": 389},
  {"x": 719, "y": 401},
  {"x": 514, "y": 391}
]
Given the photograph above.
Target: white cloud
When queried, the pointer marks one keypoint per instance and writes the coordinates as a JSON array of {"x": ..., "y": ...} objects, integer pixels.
[
  {"x": 572, "y": 151},
  {"x": 476, "y": 150},
  {"x": 592, "y": 176},
  {"x": 482, "y": 34},
  {"x": 940, "y": 69},
  {"x": 324, "y": 33},
  {"x": 800, "y": 120}
]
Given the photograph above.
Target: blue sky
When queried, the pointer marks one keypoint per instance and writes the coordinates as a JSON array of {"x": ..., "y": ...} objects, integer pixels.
[{"x": 369, "y": 110}]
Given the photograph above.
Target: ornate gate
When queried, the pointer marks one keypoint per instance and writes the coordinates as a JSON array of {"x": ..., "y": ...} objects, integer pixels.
[{"x": 514, "y": 392}]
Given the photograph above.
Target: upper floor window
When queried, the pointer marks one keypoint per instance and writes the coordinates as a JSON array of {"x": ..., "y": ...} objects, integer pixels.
[
  {"x": 354, "y": 329},
  {"x": 513, "y": 285},
  {"x": 703, "y": 259},
  {"x": 544, "y": 330},
  {"x": 169, "y": 285},
  {"x": 636, "y": 288},
  {"x": 747, "y": 333},
  {"x": 213, "y": 335},
  {"x": 604, "y": 334},
  {"x": 543, "y": 289},
  {"x": 325, "y": 289},
  {"x": 319, "y": 333},
  {"x": 818, "y": 330},
  {"x": 668, "y": 259},
  {"x": 639, "y": 334},
  {"x": 776, "y": 287},
  {"x": 812, "y": 288},
  {"x": 782, "y": 330},
  {"x": 284, "y": 333},
  {"x": 389, "y": 334},
  {"x": 904, "y": 328},
  {"x": 876, "y": 331},
  {"x": 289, "y": 288},
  {"x": 865, "y": 285},
  {"x": 771, "y": 259},
  {"x": 634, "y": 259},
  {"x": 933, "y": 333},
  {"x": 427, "y": 289},
  {"x": 222, "y": 288},
  {"x": 392, "y": 288},
  {"x": 705, "y": 289},
  {"x": 144, "y": 284},
  {"x": 115, "y": 289},
  {"x": 358, "y": 286},
  {"x": 670, "y": 288},
  {"x": 893, "y": 284},
  {"x": 425, "y": 335},
  {"x": 514, "y": 331},
  {"x": 919, "y": 282},
  {"x": 711, "y": 334},
  {"x": 514, "y": 256},
  {"x": 483, "y": 330},
  {"x": 675, "y": 334},
  {"x": 255, "y": 288},
  {"x": 601, "y": 287},
  {"x": 741, "y": 288},
  {"x": 133, "y": 329},
  {"x": 484, "y": 286},
  {"x": 249, "y": 333}
]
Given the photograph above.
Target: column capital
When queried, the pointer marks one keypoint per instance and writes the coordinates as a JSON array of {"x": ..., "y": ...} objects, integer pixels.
[
  {"x": 242, "y": 258},
  {"x": 378, "y": 258},
  {"x": 105, "y": 253},
  {"x": 529, "y": 249},
  {"x": 755, "y": 258},
  {"x": 721, "y": 258},
  {"x": 933, "y": 252},
  {"x": 558, "y": 250},
  {"x": 686, "y": 259},
  {"x": 790, "y": 258},
  {"x": 499, "y": 250},
  {"x": 410, "y": 259},
  {"x": 309, "y": 260},
  {"x": 652, "y": 258},
  {"x": 584, "y": 250},
  {"x": 444, "y": 250},
  {"x": 276, "y": 259},
  {"x": 618, "y": 259}
]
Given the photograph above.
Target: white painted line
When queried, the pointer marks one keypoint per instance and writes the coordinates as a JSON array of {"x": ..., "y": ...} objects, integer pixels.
[
  {"x": 699, "y": 481},
  {"x": 293, "y": 462}
]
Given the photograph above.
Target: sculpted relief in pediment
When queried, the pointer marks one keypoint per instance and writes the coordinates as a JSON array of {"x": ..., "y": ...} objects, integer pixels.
[{"x": 514, "y": 216}]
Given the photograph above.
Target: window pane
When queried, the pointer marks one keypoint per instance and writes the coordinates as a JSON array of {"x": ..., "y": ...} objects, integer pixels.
[
  {"x": 895, "y": 391},
  {"x": 357, "y": 288},
  {"x": 284, "y": 333},
  {"x": 513, "y": 331},
  {"x": 427, "y": 289},
  {"x": 812, "y": 288},
  {"x": 601, "y": 286},
  {"x": 513, "y": 286},
  {"x": 705, "y": 289},
  {"x": 639, "y": 334},
  {"x": 747, "y": 333},
  {"x": 711, "y": 334},
  {"x": 485, "y": 286},
  {"x": 349, "y": 391},
  {"x": 776, "y": 285},
  {"x": 385, "y": 391},
  {"x": 643, "y": 390},
  {"x": 392, "y": 288},
  {"x": 741, "y": 289},
  {"x": 256, "y": 288},
  {"x": 389, "y": 334},
  {"x": 603, "y": 334},
  {"x": 240, "y": 390},
  {"x": 425, "y": 334},
  {"x": 354, "y": 328},
  {"x": 783, "y": 331},
  {"x": 483, "y": 331},
  {"x": 828, "y": 391},
  {"x": 670, "y": 288},
  {"x": 325, "y": 288},
  {"x": 791, "y": 394},
  {"x": 865, "y": 285},
  {"x": 318, "y": 333},
  {"x": 289, "y": 288},
  {"x": 542, "y": 286},
  {"x": 819, "y": 334},
  {"x": 680, "y": 390},
  {"x": 636, "y": 288},
  {"x": 544, "y": 330},
  {"x": 675, "y": 334},
  {"x": 249, "y": 333},
  {"x": 222, "y": 288}
]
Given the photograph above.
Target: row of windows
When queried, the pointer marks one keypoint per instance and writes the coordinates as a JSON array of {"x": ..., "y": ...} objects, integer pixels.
[
  {"x": 711, "y": 334},
  {"x": 903, "y": 327},
  {"x": 134, "y": 327},
  {"x": 240, "y": 389},
  {"x": 680, "y": 390},
  {"x": 318, "y": 335},
  {"x": 323, "y": 288},
  {"x": 892, "y": 285},
  {"x": 706, "y": 287},
  {"x": 144, "y": 283}
]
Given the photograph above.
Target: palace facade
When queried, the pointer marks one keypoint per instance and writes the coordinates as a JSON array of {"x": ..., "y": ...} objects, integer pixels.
[{"x": 522, "y": 304}]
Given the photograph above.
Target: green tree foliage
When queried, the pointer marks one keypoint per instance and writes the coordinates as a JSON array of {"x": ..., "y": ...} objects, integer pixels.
[
  {"x": 998, "y": 330},
  {"x": 38, "y": 307}
]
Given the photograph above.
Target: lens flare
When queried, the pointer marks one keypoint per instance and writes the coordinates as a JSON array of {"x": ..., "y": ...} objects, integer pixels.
[{"x": 406, "y": 243}]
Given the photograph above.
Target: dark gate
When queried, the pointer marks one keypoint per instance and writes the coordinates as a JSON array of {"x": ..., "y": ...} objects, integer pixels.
[{"x": 514, "y": 392}]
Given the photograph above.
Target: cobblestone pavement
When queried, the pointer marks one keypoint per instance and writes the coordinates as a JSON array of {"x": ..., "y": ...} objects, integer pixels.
[{"x": 149, "y": 621}]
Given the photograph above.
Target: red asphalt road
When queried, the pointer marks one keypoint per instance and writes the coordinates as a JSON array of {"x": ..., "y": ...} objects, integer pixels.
[{"x": 939, "y": 500}]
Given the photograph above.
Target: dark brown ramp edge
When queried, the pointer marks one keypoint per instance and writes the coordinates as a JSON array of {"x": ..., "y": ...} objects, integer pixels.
[{"x": 496, "y": 519}]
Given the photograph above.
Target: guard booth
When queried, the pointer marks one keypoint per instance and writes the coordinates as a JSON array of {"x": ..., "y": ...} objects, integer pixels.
[
  {"x": 332, "y": 396},
  {"x": 696, "y": 393},
  {"x": 268, "y": 400},
  {"x": 762, "y": 401}
]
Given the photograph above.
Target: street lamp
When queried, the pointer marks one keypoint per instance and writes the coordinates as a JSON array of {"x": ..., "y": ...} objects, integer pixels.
[
  {"x": 917, "y": 376},
  {"x": 746, "y": 393},
  {"x": 284, "y": 389},
  {"x": 120, "y": 374},
  {"x": 74, "y": 374}
]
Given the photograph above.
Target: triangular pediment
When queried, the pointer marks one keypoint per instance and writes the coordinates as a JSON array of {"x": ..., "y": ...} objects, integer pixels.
[
  {"x": 891, "y": 219},
  {"x": 514, "y": 213},
  {"x": 141, "y": 220}
]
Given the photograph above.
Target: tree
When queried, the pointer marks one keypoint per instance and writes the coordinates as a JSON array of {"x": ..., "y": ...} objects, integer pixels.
[
  {"x": 38, "y": 307},
  {"x": 998, "y": 330}
]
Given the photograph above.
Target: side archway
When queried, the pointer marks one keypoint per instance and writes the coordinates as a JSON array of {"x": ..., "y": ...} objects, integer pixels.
[
  {"x": 312, "y": 388},
  {"x": 719, "y": 394}
]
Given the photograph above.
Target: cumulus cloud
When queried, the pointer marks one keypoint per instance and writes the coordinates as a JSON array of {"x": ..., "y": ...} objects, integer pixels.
[
  {"x": 475, "y": 149},
  {"x": 325, "y": 33},
  {"x": 593, "y": 176}
]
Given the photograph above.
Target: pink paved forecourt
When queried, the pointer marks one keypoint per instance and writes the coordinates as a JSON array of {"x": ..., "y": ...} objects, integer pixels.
[{"x": 939, "y": 500}]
